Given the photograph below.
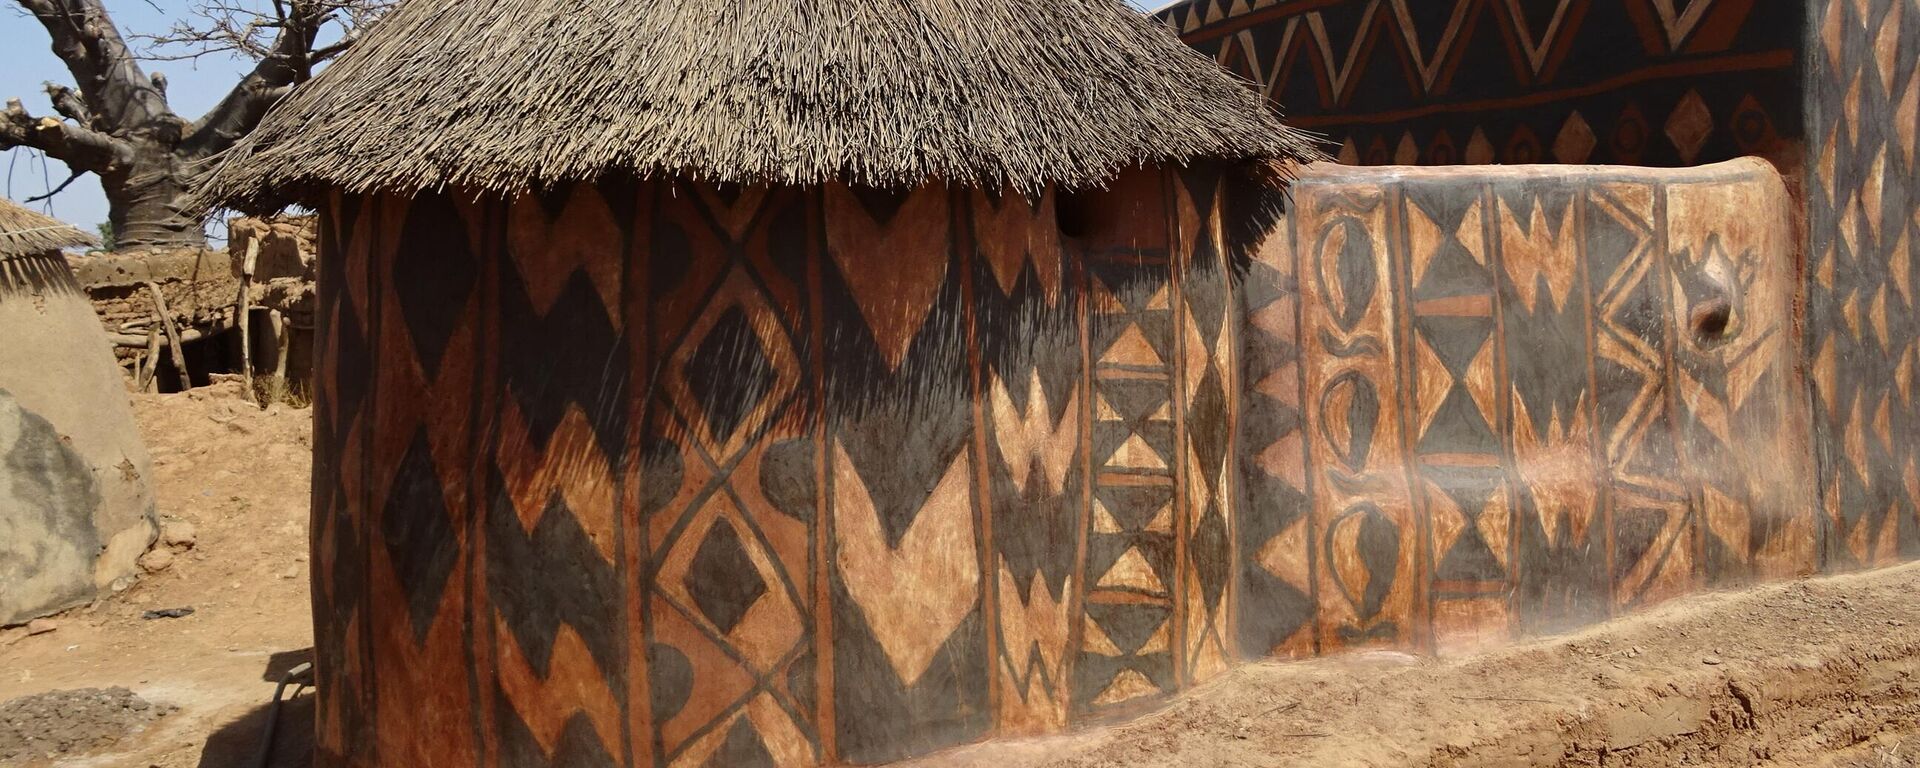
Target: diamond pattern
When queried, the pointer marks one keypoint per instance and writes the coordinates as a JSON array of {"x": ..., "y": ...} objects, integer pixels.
[
  {"x": 729, "y": 373},
  {"x": 723, "y": 581},
  {"x": 418, "y": 534}
]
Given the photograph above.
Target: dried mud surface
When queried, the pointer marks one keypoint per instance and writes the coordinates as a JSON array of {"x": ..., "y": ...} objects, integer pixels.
[{"x": 1821, "y": 672}]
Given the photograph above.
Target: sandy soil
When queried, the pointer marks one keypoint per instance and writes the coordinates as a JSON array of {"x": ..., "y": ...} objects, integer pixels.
[
  {"x": 240, "y": 477},
  {"x": 1823, "y": 672}
]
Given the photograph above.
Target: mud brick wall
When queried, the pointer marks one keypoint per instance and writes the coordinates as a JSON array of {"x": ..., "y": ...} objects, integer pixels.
[
  {"x": 1442, "y": 82},
  {"x": 668, "y": 474},
  {"x": 199, "y": 289},
  {"x": 1488, "y": 403}
]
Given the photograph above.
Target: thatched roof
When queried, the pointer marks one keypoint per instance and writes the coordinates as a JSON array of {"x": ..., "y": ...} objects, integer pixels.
[
  {"x": 505, "y": 95},
  {"x": 24, "y": 232}
]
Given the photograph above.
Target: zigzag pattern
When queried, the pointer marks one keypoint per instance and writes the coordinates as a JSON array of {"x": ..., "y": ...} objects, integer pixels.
[
  {"x": 1413, "y": 82},
  {"x": 1863, "y": 213}
]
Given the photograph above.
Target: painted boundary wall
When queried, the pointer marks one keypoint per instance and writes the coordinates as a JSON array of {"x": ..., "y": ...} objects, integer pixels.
[
  {"x": 1489, "y": 403},
  {"x": 1829, "y": 90}
]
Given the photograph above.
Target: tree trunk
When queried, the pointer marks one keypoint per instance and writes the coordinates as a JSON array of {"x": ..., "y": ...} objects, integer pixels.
[{"x": 146, "y": 198}]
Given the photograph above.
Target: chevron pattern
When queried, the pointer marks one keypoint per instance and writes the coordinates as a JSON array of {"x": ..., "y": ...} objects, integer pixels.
[
  {"x": 1518, "y": 417},
  {"x": 1863, "y": 213},
  {"x": 1441, "y": 82},
  {"x": 589, "y": 478}
]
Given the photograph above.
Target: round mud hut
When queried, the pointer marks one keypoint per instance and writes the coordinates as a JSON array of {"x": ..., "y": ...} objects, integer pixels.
[
  {"x": 774, "y": 383},
  {"x": 75, "y": 509}
]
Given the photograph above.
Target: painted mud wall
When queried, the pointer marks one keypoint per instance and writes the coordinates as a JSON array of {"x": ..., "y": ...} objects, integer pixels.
[
  {"x": 670, "y": 474},
  {"x": 1487, "y": 403},
  {"x": 1443, "y": 82},
  {"x": 1862, "y": 198},
  {"x": 1825, "y": 89},
  {"x": 75, "y": 509}
]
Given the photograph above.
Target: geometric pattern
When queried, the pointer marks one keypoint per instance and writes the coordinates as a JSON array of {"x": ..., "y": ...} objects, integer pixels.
[
  {"x": 1365, "y": 532},
  {"x": 668, "y": 473},
  {"x": 1128, "y": 647},
  {"x": 1443, "y": 82},
  {"x": 1519, "y": 403},
  {"x": 1862, "y": 195}
]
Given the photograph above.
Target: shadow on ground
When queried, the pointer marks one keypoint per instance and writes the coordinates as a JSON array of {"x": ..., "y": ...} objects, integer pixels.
[
  {"x": 279, "y": 663},
  {"x": 239, "y": 744}
]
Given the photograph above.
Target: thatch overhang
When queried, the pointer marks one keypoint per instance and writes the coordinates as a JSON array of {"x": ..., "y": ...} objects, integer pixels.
[
  {"x": 509, "y": 95},
  {"x": 24, "y": 232}
]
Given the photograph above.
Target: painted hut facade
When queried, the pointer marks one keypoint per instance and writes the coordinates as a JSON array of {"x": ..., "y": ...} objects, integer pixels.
[
  {"x": 75, "y": 509},
  {"x": 765, "y": 384}
]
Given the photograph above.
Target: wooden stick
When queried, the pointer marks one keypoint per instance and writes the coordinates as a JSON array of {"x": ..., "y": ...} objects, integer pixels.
[
  {"x": 282, "y": 349},
  {"x": 150, "y": 363},
  {"x": 173, "y": 336},
  {"x": 241, "y": 309},
  {"x": 138, "y": 339}
]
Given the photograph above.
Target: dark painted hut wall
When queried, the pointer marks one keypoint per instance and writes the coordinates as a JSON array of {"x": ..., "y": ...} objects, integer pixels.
[
  {"x": 672, "y": 474},
  {"x": 1487, "y": 403},
  {"x": 1863, "y": 211},
  {"x": 1439, "y": 82}
]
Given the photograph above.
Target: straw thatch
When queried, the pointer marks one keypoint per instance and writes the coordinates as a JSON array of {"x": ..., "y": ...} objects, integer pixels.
[
  {"x": 505, "y": 95},
  {"x": 25, "y": 233}
]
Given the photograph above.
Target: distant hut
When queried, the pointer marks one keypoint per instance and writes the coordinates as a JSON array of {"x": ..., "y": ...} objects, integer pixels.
[
  {"x": 75, "y": 509},
  {"x": 766, "y": 383}
]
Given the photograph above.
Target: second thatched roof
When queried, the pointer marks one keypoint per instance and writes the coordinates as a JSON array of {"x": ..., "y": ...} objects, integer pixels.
[
  {"x": 504, "y": 95},
  {"x": 24, "y": 232}
]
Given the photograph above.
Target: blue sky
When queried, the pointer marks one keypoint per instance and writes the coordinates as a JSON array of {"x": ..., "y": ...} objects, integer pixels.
[{"x": 26, "y": 62}]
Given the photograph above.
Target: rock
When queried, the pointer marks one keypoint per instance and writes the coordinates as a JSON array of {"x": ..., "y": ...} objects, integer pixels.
[
  {"x": 41, "y": 627},
  {"x": 1712, "y": 661},
  {"x": 179, "y": 534},
  {"x": 157, "y": 560}
]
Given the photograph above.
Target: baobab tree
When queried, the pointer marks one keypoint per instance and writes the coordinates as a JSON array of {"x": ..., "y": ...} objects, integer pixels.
[{"x": 115, "y": 122}]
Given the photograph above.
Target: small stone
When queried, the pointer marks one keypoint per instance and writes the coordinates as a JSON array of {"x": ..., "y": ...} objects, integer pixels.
[
  {"x": 157, "y": 560},
  {"x": 41, "y": 627},
  {"x": 179, "y": 534},
  {"x": 1712, "y": 661}
]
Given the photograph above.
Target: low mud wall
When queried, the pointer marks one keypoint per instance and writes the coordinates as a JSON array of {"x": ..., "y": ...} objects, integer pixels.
[{"x": 1485, "y": 403}]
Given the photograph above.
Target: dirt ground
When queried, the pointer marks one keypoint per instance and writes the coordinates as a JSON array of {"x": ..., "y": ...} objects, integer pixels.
[
  {"x": 1823, "y": 672},
  {"x": 239, "y": 476}
]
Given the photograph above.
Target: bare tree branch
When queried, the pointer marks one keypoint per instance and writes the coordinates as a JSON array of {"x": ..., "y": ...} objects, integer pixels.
[
  {"x": 79, "y": 147},
  {"x": 56, "y": 190},
  {"x": 67, "y": 102},
  {"x": 119, "y": 96},
  {"x": 117, "y": 121}
]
